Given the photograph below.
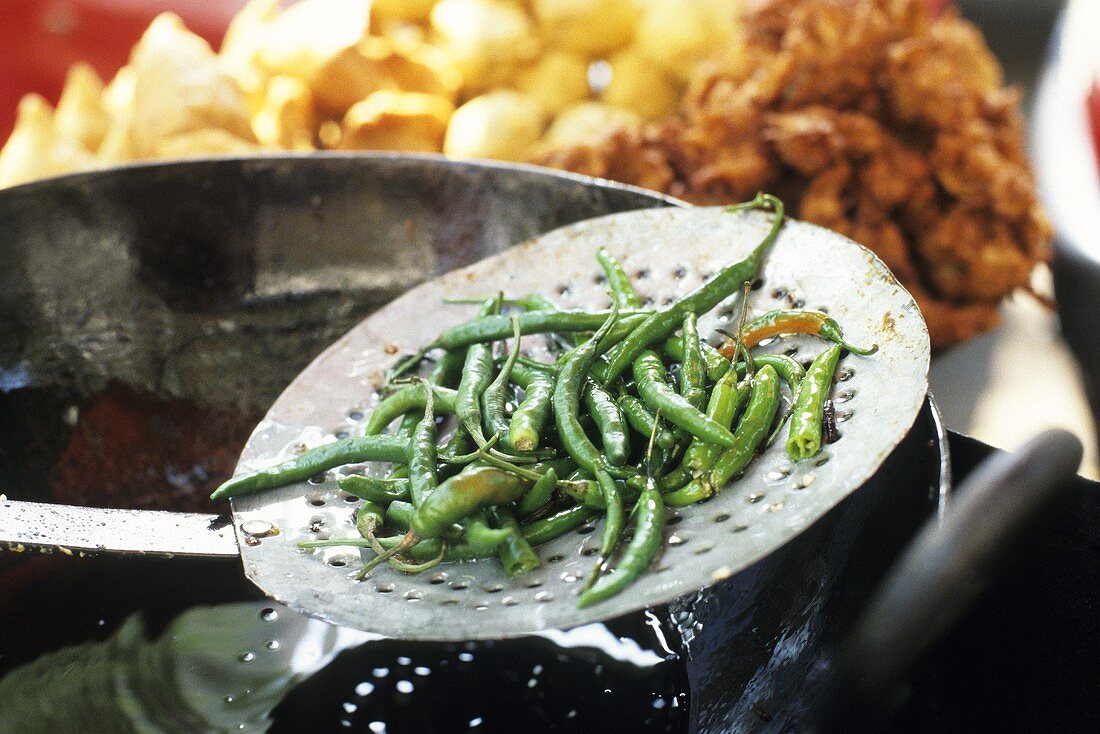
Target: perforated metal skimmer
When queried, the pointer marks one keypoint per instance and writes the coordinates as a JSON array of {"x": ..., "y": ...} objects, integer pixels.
[{"x": 667, "y": 252}]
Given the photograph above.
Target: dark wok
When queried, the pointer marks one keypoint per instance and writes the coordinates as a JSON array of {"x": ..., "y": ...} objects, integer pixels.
[{"x": 149, "y": 315}]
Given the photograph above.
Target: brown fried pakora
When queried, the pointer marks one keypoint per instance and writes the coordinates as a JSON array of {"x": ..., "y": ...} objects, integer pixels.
[{"x": 872, "y": 118}]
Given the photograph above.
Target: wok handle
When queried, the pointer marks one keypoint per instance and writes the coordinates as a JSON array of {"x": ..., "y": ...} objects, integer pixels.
[
  {"x": 946, "y": 568},
  {"x": 88, "y": 530}
]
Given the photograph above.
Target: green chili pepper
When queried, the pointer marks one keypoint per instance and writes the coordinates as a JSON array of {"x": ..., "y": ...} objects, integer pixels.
[
  {"x": 495, "y": 328},
  {"x": 533, "y": 412},
  {"x": 481, "y": 534},
  {"x": 538, "y": 495},
  {"x": 495, "y": 397},
  {"x": 618, "y": 282},
  {"x": 660, "y": 325},
  {"x": 515, "y": 552},
  {"x": 726, "y": 399},
  {"x": 546, "y": 529},
  {"x": 399, "y": 516},
  {"x": 693, "y": 370},
  {"x": 408, "y": 398},
  {"x": 642, "y": 420},
  {"x": 649, "y": 376},
  {"x": 717, "y": 365},
  {"x": 422, "y": 453},
  {"x": 430, "y": 548},
  {"x": 373, "y": 489},
  {"x": 804, "y": 439},
  {"x": 369, "y": 518},
  {"x": 567, "y": 396},
  {"x": 566, "y": 399},
  {"x": 531, "y": 364},
  {"x": 609, "y": 421},
  {"x": 352, "y": 450},
  {"x": 531, "y": 302},
  {"x": 477, "y": 373},
  {"x": 750, "y": 433},
  {"x": 460, "y": 495},
  {"x": 639, "y": 554},
  {"x": 787, "y": 367},
  {"x": 447, "y": 370}
]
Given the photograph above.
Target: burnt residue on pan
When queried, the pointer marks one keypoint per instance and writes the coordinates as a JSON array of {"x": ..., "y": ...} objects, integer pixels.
[{"x": 133, "y": 450}]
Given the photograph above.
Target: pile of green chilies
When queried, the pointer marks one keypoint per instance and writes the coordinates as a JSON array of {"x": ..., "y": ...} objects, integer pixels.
[{"x": 541, "y": 448}]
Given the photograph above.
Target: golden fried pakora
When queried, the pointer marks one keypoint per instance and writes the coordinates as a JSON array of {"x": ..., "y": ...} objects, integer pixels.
[{"x": 872, "y": 118}]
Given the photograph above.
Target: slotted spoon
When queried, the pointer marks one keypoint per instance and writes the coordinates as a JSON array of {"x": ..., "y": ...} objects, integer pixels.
[{"x": 667, "y": 252}]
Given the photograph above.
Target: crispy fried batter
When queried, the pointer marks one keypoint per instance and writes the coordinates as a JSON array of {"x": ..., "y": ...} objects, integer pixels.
[{"x": 873, "y": 119}]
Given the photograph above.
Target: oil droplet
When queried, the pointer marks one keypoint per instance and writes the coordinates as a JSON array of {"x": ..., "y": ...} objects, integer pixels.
[
  {"x": 422, "y": 671},
  {"x": 404, "y": 660},
  {"x": 246, "y": 657},
  {"x": 378, "y": 727},
  {"x": 350, "y": 707},
  {"x": 476, "y": 722},
  {"x": 364, "y": 689},
  {"x": 404, "y": 686},
  {"x": 259, "y": 528},
  {"x": 465, "y": 657},
  {"x": 272, "y": 644},
  {"x": 267, "y": 614},
  {"x": 380, "y": 672}
]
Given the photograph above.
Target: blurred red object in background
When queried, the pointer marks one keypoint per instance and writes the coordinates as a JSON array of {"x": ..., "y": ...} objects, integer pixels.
[
  {"x": 1093, "y": 102},
  {"x": 40, "y": 39}
]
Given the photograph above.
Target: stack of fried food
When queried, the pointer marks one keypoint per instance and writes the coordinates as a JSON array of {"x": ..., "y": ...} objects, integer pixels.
[
  {"x": 875, "y": 118},
  {"x": 498, "y": 79},
  {"x": 872, "y": 118}
]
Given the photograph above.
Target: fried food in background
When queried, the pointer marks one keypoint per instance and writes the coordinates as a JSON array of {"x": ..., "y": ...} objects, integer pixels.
[
  {"x": 869, "y": 116},
  {"x": 477, "y": 78},
  {"x": 873, "y": 119}
]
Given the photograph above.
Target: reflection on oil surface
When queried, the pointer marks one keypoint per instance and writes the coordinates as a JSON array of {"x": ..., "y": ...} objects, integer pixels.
[{"x": 252, "y": 665}]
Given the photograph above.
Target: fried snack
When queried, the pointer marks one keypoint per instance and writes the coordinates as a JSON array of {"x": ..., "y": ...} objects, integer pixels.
[
  {"x": 285, "y": 118},
  {"x": 503, "y": 125},
  {"x": 416, "y": 11},
  {"x": 640, "y": 85},
  {"x": 81, "y": 115},
  {"x": 388, "y": 120},
  {"x": 586, "y": 27},
  {"x": 487, "y": 40},
  {"x": 588, "y": 122},
  {"x": 871, "y": 118},
  {"x": 181, "y": 86},
  {"x": 557, "y": 80},
  {"x": 33, "y": 150},
  {"x": 676, "y": 35},
  {"x": 309, "y": 34},
  {"x": 206, "y": 142}
]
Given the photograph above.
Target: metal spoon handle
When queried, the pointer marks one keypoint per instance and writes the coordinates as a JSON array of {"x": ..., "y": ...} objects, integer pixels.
[
  {"x": 944, "y": 571},
  {"x": 88, "y": 530}
]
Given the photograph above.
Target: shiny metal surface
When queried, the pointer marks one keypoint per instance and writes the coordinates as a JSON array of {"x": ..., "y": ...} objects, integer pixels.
[
  {"x": 670, "y": 251},
  {"x": 38, "y": 526}
]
